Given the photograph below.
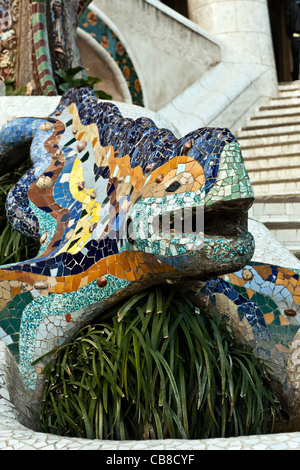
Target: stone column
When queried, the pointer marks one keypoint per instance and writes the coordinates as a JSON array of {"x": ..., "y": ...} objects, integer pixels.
[
  {"x": 242, "y": 26},
  {"x": 246, "y": 78}
]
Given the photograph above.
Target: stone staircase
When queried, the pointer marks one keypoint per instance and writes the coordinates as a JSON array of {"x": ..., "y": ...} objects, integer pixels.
[{"x": 271, "y": 148}]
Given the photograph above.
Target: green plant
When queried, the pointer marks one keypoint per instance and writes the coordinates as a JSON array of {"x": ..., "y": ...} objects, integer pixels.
[
  {"x": 14, "y": 247},
  {"x": 156, "y": 367},
  {"x": 66, "y": 79},
  {"x": 10, "y": 88}
]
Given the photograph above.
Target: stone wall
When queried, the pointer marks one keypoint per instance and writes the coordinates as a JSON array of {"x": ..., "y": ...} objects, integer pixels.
[
  {"x": 246, "y": 76},
  {"x": 169, "y": 52}
]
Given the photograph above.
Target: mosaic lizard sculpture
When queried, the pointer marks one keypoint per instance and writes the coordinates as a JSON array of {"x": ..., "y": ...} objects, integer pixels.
[
  {"x": 97, "y": 196},
  {"x": 261, "y": 304}
]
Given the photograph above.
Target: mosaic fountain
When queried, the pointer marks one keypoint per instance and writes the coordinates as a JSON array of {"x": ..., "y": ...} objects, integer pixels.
[{"x": 119, "y": 204}]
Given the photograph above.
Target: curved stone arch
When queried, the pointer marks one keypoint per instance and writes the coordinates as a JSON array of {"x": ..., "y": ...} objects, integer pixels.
[
  {"x": 108, "y": 61},
  {"x": 100, "y": 27}
]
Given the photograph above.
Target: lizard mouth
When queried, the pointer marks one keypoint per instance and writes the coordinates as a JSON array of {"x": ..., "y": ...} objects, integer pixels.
[
  {"x": 227, "y": 219},
  {"x": 180, "y": 223},
  {"x": 221, "y": 220}
]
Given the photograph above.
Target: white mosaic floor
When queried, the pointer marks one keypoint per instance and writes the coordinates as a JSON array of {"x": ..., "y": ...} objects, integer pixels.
[{"x": 15, "y": 436}]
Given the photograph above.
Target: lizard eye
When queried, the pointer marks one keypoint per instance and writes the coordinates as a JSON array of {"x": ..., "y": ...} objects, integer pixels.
[{"x": 173, "y": 187}]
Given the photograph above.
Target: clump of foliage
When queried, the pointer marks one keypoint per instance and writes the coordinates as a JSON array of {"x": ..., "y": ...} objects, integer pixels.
[
  {"x": 74, "y": 77},
  {"x": 10, "y": 88},
  {"x": 156, "y": 367},
  {"x": 14, "y": 247},
  {"x": 66, "y": 79}
]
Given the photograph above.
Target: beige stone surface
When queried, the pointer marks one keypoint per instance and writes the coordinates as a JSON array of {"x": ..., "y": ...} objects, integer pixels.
[{"x": 169, "y": 52}]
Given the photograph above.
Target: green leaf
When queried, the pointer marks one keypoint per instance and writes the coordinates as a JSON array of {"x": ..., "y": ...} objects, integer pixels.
[
  {"x": 137, "y": 366},
  {"x": 61, "y": 74},
  {"x": 91, "y": 81},
  {"x": 63, "y": 87},
  {"x": 9, "y": 81},
  {"x": 159, "y": 301},
  {"x": 88, "y": 427},
  {"x": 178, "y": 424},
  {"x": 183, "y": 399},
  {"x": 102, "y": 95},
  {"x": 72, "y": 72},
  {"x": 165, "y": 327},
  {"x": 128, "y": 305},
  {"x": 150, "y": 302},
  {"x": 221, "y": 358},
  {"x": 157, "y": 420}
]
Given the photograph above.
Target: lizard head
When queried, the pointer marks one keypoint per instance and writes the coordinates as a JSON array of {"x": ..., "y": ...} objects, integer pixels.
[
  {"x": 180, "y": 204},
  {"x": 191, "y": 211}
]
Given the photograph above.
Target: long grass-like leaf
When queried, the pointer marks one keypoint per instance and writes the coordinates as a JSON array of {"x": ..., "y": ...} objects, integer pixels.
[
  {"x": 179, "y": 374},
  {"x": 128, "y": 305},
  {"x": 88, "y": 427},
  {"x": 150, "y": 302},
  {"x": 170, "y": 376},
  {"x": 159, "y": 300},
  {"x": 183, "y": 399},
  {"x": 157, "y": 419},
  {"x": 222, "y": 359}
]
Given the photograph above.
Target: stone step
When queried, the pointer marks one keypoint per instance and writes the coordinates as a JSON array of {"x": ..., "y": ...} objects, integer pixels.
[
  {"x": 259, "y": 139},
  {"x": 262, "y": 130},
  {"x": 290, "y": 93},
  {"x": 280, "y": 215},
  {"x": 270, "y": 143},
  {"x": 271, "y": 149},
  {"x": 287, "y": 234},
  {"x": 275, "y": 187},
  {"x": 284, "y": 101},
  {"x": 272, "y": 162},
  {"x": 274, "y": 208},
  {"x": 288, "y": 87},
  {"x": 275, "y": 174},
  {"x": 262, "y": 120},
  {"x": 290, "y": 84},
  {"x": 280, "y": 224},
  {"x": 274, "y": 111}
]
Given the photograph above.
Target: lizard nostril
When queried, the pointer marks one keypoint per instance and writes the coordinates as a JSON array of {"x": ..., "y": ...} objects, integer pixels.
[
  {"x": 129, "y": 231},
  {"x": 173, "y": 187}
]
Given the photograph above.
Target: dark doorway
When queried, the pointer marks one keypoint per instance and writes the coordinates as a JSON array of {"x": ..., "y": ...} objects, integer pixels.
[
  {"x": 180, "y": 6},
  {"x": 281, "y": 43}
]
